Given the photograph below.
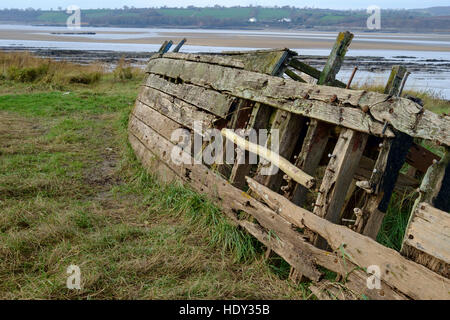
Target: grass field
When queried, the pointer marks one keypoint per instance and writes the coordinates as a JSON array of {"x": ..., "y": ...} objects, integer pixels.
[{"x": 72, "y": 192}]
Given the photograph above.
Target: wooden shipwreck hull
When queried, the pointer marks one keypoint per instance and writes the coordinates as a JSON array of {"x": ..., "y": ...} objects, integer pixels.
[{"x": 340, "y": 155}]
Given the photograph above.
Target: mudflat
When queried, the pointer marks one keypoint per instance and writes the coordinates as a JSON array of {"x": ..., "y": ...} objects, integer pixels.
[{"x": 245, "y": 39}]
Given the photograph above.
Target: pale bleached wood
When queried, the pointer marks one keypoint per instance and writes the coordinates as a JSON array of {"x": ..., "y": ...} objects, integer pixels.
[
  {"x": 317, "y": 135},
  {"x": 269, "y": 62},
  {"x": 412, "y": 279},
  {"x": 313, "y": 100},
  {"x": 181, "y": 112},
  {"x": 209, "y": 100},
  {"x": 301, "y": 98},
  {"x": 339, "y": 174},
  {"x": 433, "y": 190},
  {"x": 287, "y": 167},
  {"x": 327, "y": 290},
  {"x": 289, "y": 127},
  {"x": 429, "y": 231},
  {"x": 152, "y": 163},
  {"x": 156, "y": 120},
  {"x": 205, "y": 58},
  {"x": 233, "y": 200}
]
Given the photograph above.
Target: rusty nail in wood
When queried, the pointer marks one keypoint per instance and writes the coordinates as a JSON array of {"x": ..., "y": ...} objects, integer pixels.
[
  {"x": 333, "y": 98},
  {"x": 365, "y": 109},
  {"x": 351, "y": 77}
]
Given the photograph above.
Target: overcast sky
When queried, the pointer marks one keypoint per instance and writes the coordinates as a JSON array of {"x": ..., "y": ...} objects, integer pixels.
[{"x": 352, "y": 4}]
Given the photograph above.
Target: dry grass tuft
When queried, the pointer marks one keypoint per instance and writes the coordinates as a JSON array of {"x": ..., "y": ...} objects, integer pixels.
[{"x": 26, "y": 68}]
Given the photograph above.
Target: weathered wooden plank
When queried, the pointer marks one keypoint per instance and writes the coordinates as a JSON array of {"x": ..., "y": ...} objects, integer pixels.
[
  {"x": 165, "y": 46},
  {"x": 179, "y": 45},
  {"x": 313, "y": 72},
  {"x": 434, "y": 190},
  {"x": 336, "y": 58},
  {"x": 289, "y": 128},
  {"x": 294, "y": 76},
  {"x": 383, "y": 179},
  {"x": 393, "y": 85},
  {"x": 317, "y": 131},
  {"x": 152, "y": 163},
  {"x": 259, "y": 119},
  {"x": 339, "y": 174},
  {"x": 327, "y": 290},
  {"x": 205, "y": 58},
  {"x": 305, "y": 68},
  {"x": 292, "y": 171},
  {"x": 163, "y": 125},
  {"x": 412, "y": 279},
  {"x": 435, "y": 187},
  {"x": 233, "y": 200},
  {"x": 266, "y": 62},
  {"x": 429, "y": 231},
  {"x": 174, "y": 108},
  {"x": 300, "y": 98},
  {"x": 421, "y": 158},
  {"x": 312, "y": 151},
  {"x": 209, "y": 100},
  {"x": 314, "y": 100}
]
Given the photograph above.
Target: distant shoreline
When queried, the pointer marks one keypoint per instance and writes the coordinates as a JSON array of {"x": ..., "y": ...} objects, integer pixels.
[{"x": 267, "y": 38}]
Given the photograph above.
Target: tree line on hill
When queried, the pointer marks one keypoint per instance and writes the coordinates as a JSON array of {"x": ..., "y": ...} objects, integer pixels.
[{"x": 432, "y": 19}]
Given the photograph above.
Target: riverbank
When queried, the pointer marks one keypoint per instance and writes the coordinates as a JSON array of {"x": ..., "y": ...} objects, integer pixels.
[{"x": 427, "y": 73}]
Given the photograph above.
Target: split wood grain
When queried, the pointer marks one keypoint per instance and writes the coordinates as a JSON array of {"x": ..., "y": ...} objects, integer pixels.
[
  {"x": 145, "y": 140},
  {"x": 175, "y": 109},
  {"x": 147, "y": 144},
  {"x": 313, "y": 100},
  {"x": 412, "y": 279},
  {"x": 429, "y": 231},
  {"x": 209, "y": 100}
]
